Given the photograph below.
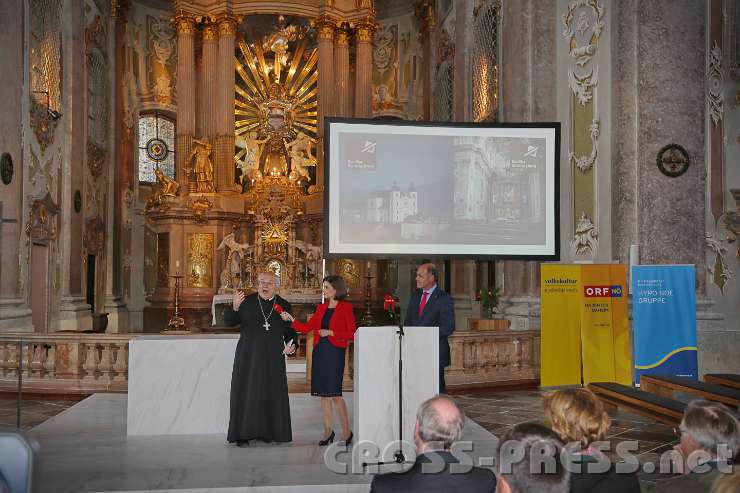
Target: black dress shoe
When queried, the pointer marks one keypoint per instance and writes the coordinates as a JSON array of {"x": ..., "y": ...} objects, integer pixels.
[
  {"x": 327, "y": 440},
  {"x": 242, "y": 443},
  {"x": 348, "y": 441}
]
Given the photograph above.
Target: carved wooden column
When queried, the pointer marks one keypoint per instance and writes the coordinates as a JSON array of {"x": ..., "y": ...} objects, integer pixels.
[
  {"x": 364, "y": 69},
  {"x": 209, "y": 72},
  {"x": 224, "y": 146},
  {"x": 185, "y": 25},
  {"x": 341, "y": 72},
  {"x": 426, "y": 14},
  {"x": 325, "y": 36}
]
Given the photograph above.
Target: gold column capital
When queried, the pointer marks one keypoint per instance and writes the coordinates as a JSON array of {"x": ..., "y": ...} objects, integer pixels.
[
  {"x": 325, "y": 27},
  {"x": 341, "y": 35},
  {"x": 210, "y": 31},
  {"x": 184, "y": 22},
  {"x": 424, "y": 10},
  {"x": 227, "y": 25},
  {"x": 365, "y": 29}
]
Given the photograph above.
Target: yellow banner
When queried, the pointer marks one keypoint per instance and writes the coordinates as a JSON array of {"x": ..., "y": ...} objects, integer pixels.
[
  {"x": 621, "y": 327},
  {"x": 597, "y": 335},
  {"x": 560, "y": 336},
  {"x": 585, "y": 327}
]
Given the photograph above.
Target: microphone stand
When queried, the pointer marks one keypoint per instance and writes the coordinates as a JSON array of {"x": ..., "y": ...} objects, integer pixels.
[{"x": 394, "y": 313}]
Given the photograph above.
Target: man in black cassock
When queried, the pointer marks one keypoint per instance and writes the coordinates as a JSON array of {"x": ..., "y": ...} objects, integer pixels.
[{"x": 259, "y": 386}]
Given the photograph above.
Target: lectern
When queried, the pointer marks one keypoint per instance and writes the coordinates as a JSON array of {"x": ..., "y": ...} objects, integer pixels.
[{"x": 376, "y": 383}]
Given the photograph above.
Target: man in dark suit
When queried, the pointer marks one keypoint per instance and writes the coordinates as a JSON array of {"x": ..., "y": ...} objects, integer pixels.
[
  {"x": 439, "y": 424},
  {"x": 429, "y": 306}
]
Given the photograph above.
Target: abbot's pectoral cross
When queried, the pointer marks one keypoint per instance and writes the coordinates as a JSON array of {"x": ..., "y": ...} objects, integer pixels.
[{"x": 266, "y": 325}]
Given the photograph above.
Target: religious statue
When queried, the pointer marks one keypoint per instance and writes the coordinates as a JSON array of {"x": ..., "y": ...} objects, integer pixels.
[
  {"x": 300, "y": 155},
  {"x": 235, "y": 274},
  {"x": 277, "y": 43},
  {"x": 166, "y": 187},
  {"x": 203, "y": 167},
  {"x": 249, "y": 164}
]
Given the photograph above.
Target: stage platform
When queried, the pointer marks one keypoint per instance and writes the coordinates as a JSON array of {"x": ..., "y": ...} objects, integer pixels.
[{"x": 85, "y": 449}]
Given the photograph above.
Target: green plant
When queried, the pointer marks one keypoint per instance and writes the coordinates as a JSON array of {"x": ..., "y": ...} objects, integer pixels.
[{"x": 489, "y": 301}]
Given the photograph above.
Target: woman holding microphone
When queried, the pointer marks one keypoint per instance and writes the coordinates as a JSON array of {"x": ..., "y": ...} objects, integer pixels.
[{"x": 333, "y": 326}]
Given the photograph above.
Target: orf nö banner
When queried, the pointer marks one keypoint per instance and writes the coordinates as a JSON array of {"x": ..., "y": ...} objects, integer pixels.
[{"x": 664, "y": 318}]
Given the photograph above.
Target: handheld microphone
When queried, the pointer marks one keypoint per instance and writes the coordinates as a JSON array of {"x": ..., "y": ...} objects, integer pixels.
[{"x": 390, "y": 307}]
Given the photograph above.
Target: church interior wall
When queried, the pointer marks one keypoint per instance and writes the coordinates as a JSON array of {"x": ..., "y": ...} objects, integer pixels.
[{"x": 649, "y": 89}]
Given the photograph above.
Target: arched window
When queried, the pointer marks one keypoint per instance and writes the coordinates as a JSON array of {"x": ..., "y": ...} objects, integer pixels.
[{"x": 156, "y": 146}]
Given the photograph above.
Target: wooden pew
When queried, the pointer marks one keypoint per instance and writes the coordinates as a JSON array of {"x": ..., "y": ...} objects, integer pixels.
[
  {"x": 661, "y": 409},
  {"x": 726, "y": 379},
  {"x": 666, "y": 385}
]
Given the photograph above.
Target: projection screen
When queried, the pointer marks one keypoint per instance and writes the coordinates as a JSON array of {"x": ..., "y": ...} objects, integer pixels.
[{"x": 394, "y": 189}]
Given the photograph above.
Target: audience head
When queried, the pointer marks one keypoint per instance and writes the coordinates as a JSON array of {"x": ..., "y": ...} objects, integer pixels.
[
  {"x": 576, "y": 415},
  {"x": 707, "y": 425},
  {"x": 336, "y": 285},
  {"x": 427, "y": 276},
  {"x": 439, "y": 424},
  {"x": 529, "y": 461}
]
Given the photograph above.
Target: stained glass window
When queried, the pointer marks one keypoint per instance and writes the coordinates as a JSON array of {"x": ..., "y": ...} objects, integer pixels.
[{"x": 156, "y": 147}]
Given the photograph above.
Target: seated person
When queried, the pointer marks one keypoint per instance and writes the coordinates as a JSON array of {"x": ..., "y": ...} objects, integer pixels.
[
  {"x": 709, "y": 446},
  {"x": 439, "y": 424},
  {"x": 529, "y": 461},
  {"x": 577, "y": 415}
]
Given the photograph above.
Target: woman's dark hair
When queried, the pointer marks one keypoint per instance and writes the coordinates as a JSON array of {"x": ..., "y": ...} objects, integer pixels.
[{"x": 337, "y": 283}]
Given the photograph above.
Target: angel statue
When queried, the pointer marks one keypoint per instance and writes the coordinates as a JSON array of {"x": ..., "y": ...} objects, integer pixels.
[
  {"x": 203, "y": 167},
  {"x": 249, "y": 164},
  {"x": 300, "y": 155},
  {"x": 234, "y": 274},
  {"x": 166, "y": 187}
]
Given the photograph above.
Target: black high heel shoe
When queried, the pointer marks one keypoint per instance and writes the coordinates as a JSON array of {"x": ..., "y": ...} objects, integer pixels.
[
  {"x": 327, "y": 440},
  {"x": 348, "y": 441}
]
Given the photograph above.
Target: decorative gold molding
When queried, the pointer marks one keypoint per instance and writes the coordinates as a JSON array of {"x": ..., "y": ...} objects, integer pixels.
[
  {"x": 94, "y": 240},
  {"x": 583, "y": 24},
  {"x": 227, "y": 25},
  {"x": 210, "y": 31},
  {"x": 95, "y": 34},
  {"x": 200, "y": 260},
  {"x": 184, "y": 22},
  {"x": 365, "y": 30},
  {"x": 325, "y": 27},
  {"x": 341, "y": 36},
  {"x": 95, "y": 159},
  {"x": 425, "y": 12},
  {"x": 40, "y": 225}
]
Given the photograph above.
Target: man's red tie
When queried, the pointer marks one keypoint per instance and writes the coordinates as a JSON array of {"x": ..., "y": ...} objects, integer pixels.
[{"x": 423, "y": 302}]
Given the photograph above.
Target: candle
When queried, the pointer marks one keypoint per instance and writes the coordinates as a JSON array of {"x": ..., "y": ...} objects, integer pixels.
[{"x": 177, "y": 264}]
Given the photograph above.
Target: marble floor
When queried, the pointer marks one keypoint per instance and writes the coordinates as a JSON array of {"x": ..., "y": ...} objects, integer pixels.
[{"x": 87, "y": 447}]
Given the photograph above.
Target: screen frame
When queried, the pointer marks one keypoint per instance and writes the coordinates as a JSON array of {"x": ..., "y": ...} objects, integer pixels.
[{"x": 329, "y": 121}]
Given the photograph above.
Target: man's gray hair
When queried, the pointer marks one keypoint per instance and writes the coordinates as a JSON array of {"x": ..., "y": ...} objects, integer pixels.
[
  {"x": 711, "y": 424},
  {"x": 271, "y": 274},
  {"x": 440, "y": 427}
]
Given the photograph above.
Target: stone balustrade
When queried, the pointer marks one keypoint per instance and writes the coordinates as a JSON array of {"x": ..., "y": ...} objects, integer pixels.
[
  {"x": 86, "y": 363},
  {"x": 65, "y": 363},
  {"x": 488, "y": 357}
]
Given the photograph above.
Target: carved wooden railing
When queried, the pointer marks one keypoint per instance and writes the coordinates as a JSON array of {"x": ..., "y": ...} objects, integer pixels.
[
  {"x": 488, "y": 357},
  {"x": 65, "y": 363}
]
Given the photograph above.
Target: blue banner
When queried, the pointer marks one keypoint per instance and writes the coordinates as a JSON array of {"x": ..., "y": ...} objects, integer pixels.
[{"x": 664, "y": 318}]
